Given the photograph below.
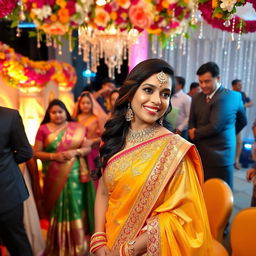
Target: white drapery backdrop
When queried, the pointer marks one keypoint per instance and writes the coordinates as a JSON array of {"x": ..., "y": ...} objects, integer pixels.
[{"x": 217, "y": 46}]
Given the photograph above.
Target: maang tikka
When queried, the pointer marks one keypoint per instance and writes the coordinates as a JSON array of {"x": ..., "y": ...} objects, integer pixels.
[
  {"x": 162, "y": 77},
  {"x": 129, "y": 113}
]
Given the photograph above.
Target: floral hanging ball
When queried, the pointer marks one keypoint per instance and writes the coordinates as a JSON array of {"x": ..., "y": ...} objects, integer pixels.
[
  {"x": 219, "y": 13},
  {"x": 57, "y": 17}
]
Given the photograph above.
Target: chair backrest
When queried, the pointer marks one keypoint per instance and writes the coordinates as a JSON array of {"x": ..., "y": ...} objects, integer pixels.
[
  {"x": 219, "y": 203},
  {"x": 219, "y": 249},
  {"x": 243, "y": 233}
]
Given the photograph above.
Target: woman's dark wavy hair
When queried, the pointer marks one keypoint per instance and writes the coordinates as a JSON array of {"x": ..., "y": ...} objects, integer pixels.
[
  {"x": 116, "y": 128},
  {"x": 55, "y": 102}
]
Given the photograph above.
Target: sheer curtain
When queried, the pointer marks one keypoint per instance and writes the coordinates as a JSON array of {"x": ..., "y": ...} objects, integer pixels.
[{"x": 217, "y": 46}]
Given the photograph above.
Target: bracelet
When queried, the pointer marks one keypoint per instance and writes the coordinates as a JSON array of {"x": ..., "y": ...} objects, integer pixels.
[{"x": 98, "y": 240}]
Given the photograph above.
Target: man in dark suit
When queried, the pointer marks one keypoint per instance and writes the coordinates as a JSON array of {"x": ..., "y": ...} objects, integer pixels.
[
  {"x": 14, "y": 149},
  {"x": 216, "y": 116}
]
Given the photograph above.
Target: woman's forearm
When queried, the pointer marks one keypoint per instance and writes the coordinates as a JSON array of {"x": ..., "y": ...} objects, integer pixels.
[{"x": 44, "y": 155}]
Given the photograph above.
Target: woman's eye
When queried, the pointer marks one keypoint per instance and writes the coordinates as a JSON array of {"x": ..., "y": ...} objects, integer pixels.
[
  {"x": 148, "y": 90},
  {"x": 166, "y": 95}
]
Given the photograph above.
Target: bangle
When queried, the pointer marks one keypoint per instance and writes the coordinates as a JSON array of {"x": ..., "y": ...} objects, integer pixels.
[{"x": 98, "y": 240}]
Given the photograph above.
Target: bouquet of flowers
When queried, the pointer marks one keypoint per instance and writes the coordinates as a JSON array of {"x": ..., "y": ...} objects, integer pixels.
[{"x": 57, "y": 17}]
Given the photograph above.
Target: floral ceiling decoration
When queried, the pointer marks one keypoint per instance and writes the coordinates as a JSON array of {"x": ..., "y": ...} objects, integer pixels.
[
  {"x": 6, "y": 7},
  {"x": 26, "y": 74},
  {"x": 113, "y": 28},
  {"x": 221, "y": 14},
  {"x": 108, "y": 30},
  {"x": 57, "y": 17}
]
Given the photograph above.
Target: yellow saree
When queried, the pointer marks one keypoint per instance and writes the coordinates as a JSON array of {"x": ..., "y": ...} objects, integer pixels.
[{"x": 155, "y": 187}]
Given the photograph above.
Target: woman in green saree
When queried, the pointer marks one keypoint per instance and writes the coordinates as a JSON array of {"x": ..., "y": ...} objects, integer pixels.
[{"x": 68, "y": 192}]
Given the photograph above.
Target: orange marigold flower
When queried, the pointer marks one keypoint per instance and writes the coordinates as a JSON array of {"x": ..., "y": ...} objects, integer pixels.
[
  {"x": 124, "y": 3},
  {"x": 113, "y": 15},
  {"x": 219, "y": 15},
  {"x": 32, "y": 15},
  {"x": 214, "y": 4},
  {"x": 61, "y": 3},
  {"x": 34, "y": 5},
  {"x": 165, "y": 4},
  {"x": 53, "y": 18},
  {"x": 101, "y": 17},
  {"x": 63, "y": 14}
]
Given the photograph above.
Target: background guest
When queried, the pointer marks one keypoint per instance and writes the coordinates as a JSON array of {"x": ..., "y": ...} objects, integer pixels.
[
  {"x": 85, "y": 114},
  {"x": 102, "y": 95},
  {"x": 194, "y": 89},
  {"x": 251, "y": 173},
  {"x": 14, "y": 149},
  {"x": 181, "y": 102},
  {"x": 217, "y": 115},
  {"x": 68, "y": 191},
  {"x": 237, "y": 86}
]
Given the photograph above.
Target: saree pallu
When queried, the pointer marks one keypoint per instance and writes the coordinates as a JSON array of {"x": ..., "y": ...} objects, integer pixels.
[
  {"x": 69, "y": 201},
  {"x": 155, "y": 187}
]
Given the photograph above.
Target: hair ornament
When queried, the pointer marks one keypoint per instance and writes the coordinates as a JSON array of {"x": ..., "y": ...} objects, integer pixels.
[{"x": 162, "y": 77}]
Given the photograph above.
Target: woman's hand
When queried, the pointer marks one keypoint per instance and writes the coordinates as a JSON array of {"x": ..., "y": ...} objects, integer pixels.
[
  {"x": 103, "y": 251},
  {"x": 113, "y": 253},
  {"x": 69, "y": 154},
  {"x": 59, "y": 157},
  {"x": 251, "y": 175}
]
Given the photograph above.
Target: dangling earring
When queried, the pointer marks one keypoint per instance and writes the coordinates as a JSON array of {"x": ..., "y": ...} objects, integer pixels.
[
  {"x": 161, "y": 121},
  {"x": 129, "y": 113}
]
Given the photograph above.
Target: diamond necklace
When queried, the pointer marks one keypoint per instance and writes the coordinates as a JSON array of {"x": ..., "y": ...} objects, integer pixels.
[{"x": 135, "y": 137}]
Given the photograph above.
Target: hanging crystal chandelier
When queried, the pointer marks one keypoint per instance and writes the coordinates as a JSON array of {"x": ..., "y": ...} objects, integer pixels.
[{"x": 111, "y": 44}]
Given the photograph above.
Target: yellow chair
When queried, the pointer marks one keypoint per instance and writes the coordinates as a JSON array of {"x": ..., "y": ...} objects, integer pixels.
[
  {"x": 243, "y": 233},
  {"x": 219, "y": 249},
  {"x": 219, "y": 203}
]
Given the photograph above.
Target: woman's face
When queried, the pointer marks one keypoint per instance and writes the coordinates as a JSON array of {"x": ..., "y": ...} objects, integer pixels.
[
  {"x": 113, "y": 98},
  {"x": 57, "y": 114},
  {"x": 151, "y": 101},
  {"x": 85, "y": 105}
]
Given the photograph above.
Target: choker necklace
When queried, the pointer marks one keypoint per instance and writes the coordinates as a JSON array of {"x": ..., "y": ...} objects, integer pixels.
[{"x": 135, "y": 137}]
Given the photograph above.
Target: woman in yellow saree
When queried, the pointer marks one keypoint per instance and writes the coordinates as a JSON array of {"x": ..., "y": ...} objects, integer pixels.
[
  {"x": 68, "y": 192},
  {"x": 149, "y": 200}
]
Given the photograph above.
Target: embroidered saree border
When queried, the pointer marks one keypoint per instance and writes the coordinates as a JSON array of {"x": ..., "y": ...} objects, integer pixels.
[
  {"x": 153, "y": 230},
  {"x": 154, "y": 185},
  {"x": 129, "y": 150}
]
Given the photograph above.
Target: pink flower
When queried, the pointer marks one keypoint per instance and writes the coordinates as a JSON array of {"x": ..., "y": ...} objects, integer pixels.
[
  {"x": 6, "y": 7},
  {"x": 140, "y": 16},
  {"x": 39, "y": 3},
  {"x": 71, "y": 7}
]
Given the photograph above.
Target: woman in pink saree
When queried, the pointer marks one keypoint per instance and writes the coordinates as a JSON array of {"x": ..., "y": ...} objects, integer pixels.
[
  {"x": 89, "y": 113},
  {"x": 68, "y": 192}
]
